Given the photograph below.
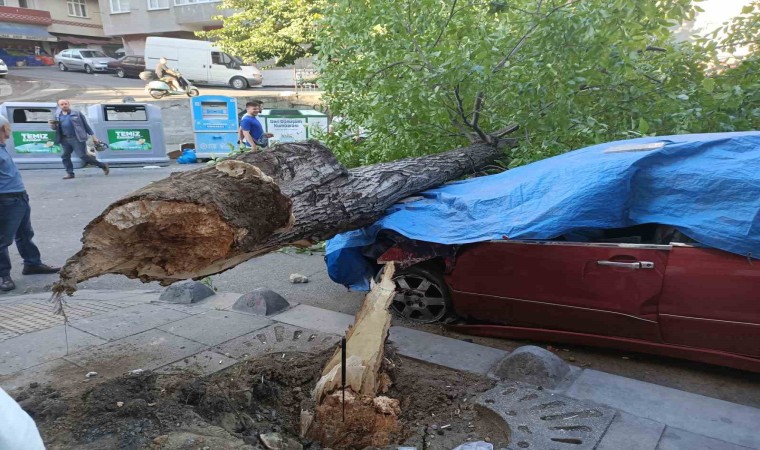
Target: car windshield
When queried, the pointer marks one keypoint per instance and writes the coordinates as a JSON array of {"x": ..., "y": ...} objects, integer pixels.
[
  {"x": 237, "y": 60},
  {"x": 92, "y": 54}
]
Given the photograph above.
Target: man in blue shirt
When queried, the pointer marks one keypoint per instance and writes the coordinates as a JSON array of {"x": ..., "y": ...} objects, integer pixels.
[
  {"x": 15, "y": 218},
  {"x": 71, "y": 131},
  {"x": 253, "y": 132}
]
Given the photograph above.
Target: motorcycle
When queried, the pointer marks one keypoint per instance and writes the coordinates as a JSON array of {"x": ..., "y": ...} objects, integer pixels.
[{"x": 159, "y": 88}]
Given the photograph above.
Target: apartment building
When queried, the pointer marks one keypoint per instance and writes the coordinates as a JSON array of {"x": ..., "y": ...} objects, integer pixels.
[
  {"x": 134, "y": 20},
  {"x": 44, "y": 27}
]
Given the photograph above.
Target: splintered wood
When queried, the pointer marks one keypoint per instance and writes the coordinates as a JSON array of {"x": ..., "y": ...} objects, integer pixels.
[{"x": 371, "y": 419}]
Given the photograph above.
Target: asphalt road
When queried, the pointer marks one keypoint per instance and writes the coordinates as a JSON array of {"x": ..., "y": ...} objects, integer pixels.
[{"x": 46, "y": 84}]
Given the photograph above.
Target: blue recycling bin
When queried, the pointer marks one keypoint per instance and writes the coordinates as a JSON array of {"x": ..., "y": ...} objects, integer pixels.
[{"x": 215, "y": 125}]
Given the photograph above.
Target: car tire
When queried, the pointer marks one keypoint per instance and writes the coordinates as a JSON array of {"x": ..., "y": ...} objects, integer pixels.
[
  {"x": 239, "y": 83},
  {"x": 62, "y": 67},
  {"x": 88, "y": 69},
  {"x": 120, "y": 73},
  {"x": 422, "y": 295}
]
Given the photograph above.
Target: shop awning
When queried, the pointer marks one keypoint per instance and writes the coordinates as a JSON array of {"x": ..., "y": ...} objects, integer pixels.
[
  {"x": 84, "y": 41},
  {"x": 9, "y": 30}
]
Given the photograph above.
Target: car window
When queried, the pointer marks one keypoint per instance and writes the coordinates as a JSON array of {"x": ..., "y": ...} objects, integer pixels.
[
  {"x": 92, "y": 54},
  {"x": 76, "y": 56},
  {"x": 66, "y": 54},
  {"x": 129, "y": 60},
  {"x": 140, "y": 60},
  {"x": 216, "y": 58}
]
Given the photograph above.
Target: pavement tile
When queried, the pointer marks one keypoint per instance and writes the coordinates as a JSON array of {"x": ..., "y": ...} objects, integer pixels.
[
  {"x": 730, "y": 422},
  {"x": 61, "y": 372},
  {"x": 148, "y": 350},
  {"x": 215, "y": 302},
  {"x": 317, "y": 319},
  {"x": 128, "y": 321},
  {"x": 675, "y": 439},
  {"x": 215, "y": 327},
  {"x": 201, "y": 364},
  {"x": 444, "y": 351},
  {"x": 277, "y": 338},
  {"x": 41, "y": 346},
  {"x": 629, "y": 432}
]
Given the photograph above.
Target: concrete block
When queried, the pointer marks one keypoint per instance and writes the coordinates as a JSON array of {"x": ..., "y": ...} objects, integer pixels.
[
  {"x": 39, "y": 347},
  {"x": 148, "y": 350},
  {"x": 444, "y": 351},
  {"x": 215, "y": 327},
  {"x": 261, "y": 301},
  {"x": 277, "y": 338},
  {"x": 675, "y": 439},
  {"x": 718, "y": 419},
  {"x": 187, "y": 291},
  {"x": 201, "y": 364},
  {"x": 128, "y": 321},
  {"x": 629, "y": 432},
  {"x": 317, "y": 319},
  {"x": 532, "y": 365},
  {"x": 538, "y": 419}
]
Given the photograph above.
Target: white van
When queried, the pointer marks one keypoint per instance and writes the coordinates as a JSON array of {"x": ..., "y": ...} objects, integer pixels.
[{"x": 201, "y": 62}]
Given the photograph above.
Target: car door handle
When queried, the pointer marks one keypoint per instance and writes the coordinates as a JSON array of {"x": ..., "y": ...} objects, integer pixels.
[{"x": 627, "y": 265}]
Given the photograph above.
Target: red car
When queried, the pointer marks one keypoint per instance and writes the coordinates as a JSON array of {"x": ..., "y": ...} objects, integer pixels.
[{"x": 645, "y": 288}]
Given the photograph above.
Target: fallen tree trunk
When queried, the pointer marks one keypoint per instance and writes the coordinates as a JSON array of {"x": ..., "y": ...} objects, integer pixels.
[
  {"x": 361, "y": 416},
  {"x": 205, "y": 221}
]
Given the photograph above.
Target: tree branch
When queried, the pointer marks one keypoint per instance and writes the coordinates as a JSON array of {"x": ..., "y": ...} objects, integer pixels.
[{"x": 445, "y": 25}]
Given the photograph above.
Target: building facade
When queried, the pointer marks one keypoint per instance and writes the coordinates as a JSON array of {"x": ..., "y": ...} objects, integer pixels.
[{"x": 134, "y": 20}]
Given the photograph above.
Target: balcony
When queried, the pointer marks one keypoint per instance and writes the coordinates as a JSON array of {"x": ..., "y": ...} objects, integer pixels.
[{"x": 24, "y": 15}]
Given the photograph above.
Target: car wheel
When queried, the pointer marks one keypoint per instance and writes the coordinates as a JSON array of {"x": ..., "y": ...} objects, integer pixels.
[
  {"x": 239, "y": 83},
  {"x": 120, "y": 73},
  {"x": 62, "y": 67},
  {"x": 87, "y": 68},
  {"x": 421, "y": 295}
]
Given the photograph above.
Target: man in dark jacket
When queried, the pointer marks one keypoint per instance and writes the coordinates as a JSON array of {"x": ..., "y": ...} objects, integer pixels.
[
  {"x": 71, "y": 131},
  {"x": 15, "y": 218}
]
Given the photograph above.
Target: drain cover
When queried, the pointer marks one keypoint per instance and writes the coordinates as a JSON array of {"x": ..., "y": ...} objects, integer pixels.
[{"x": 540, "y": 420}]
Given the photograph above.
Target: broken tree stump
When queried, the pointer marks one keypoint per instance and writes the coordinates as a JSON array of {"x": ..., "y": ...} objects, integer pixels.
[
  {"x": 205, "y": 221},
  {"x": 371, "y": 419}
]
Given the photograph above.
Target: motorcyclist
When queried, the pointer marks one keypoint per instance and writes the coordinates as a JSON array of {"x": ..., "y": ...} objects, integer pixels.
[{"x": 164, "y": 73}]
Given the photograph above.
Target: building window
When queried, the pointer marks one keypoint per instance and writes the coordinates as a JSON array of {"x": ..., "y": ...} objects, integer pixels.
[
  {"x": 192, "y": 2},
  {"x": 23, "y": 4},
  {"x": 77, "y": 8},
  {"x": 158, "y": 4},
  {"x": 2, "y": 2},
  {"x": 119, "y": 6}
]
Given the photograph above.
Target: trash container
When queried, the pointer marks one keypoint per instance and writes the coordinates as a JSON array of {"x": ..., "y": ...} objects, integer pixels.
[
  {"x": 134, "y": 133},
  {"x": 290, "y": 125},
  {"x": 32, "y": 142},
  {"x": 215, "y": 125}
]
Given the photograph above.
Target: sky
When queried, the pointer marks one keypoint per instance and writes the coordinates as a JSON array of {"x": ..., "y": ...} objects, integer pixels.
[{"x": 717, "y": 12}]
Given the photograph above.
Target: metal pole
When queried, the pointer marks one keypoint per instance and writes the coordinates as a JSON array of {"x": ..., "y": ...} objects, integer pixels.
[{"x": 343, "y": 373}]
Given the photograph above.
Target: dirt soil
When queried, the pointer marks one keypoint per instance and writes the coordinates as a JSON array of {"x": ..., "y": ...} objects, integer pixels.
[{"x": 233, "y": 408}]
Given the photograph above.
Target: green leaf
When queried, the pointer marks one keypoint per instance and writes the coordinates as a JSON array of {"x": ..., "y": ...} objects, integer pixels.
[
  {"x": 708, "y": 84},
  {"x": 643, "y": 126}
]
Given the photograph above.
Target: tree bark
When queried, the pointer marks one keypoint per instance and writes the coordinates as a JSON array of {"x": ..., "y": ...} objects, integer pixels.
[{"x": 205, "y": 221}]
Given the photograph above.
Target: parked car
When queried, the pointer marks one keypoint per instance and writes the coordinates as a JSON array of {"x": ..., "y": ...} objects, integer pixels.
[
  {"x": 127, "y": 66},
  {"x": 83, "y": 59},
  {"x": 640, "y": 245},
  {"x": 3, "y": 69}
]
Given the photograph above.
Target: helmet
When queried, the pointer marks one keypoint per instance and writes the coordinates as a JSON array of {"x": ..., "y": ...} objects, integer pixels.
[{"x": 101, "y": 146}]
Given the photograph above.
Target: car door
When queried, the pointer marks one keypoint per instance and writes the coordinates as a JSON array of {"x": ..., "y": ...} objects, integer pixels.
[
  {"x": 711, "y": 299},
  {"x": 76, "y": 61},
  {"x": 220, "y": 73},
  {"x": 128, "y": 64},
  {"x": 606, "y": 289},
  {"x": 139, "y": 66}
]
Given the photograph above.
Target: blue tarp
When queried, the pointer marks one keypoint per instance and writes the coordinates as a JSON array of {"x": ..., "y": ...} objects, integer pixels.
[{"x": 705, "y": 185}]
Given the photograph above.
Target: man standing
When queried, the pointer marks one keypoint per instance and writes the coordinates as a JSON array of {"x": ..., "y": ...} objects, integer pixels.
[
  {"x": 71, "y": 131},
  {"x": 253, "y": 132},
  {"x": 15, "y": 220}
]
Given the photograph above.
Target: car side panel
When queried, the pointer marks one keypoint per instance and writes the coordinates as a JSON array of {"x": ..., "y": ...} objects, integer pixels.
[
  {"x": 560, "y": 286},
  {"x": 711, "y": 299}
]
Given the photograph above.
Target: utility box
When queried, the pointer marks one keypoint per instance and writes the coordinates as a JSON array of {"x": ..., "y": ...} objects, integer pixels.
[
  {"x": 215, "y": 125},
  {"x": 32, "y": 142},
  {"x": 134, "y": 133},
  {"x": 291, "y": 125}
]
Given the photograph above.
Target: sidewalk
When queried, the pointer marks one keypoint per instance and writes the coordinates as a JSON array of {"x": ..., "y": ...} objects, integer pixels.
[{"x": 113, "y": 332}]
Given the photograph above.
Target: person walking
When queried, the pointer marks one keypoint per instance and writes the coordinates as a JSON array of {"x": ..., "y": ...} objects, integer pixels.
[
  {"x": 15, "y": 219},
  {"x": 251, "y": 128},
  {"x": 71, "y": 131}
]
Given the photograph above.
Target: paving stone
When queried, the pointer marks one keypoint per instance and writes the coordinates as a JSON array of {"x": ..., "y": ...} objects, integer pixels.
[
  {"x": 215, "y": 327},
  {"x": 278, "y": 338},
  {"x": 148, "y": 350},
  {"x": 202, "y": 364},
  {"x": 318, "y": 319},
  {"x": 219, "y": 302},
  {"x": 538, "y": 419},
  {"x": 532, "y": 365},
  {"x": 261, "y": 301},
  {"x": 38, "y": 347},
  {"x": 730, "y": 422},
  {"x": 60, "y": 371},
  {"x": 444, "y": 351},
  {"x": 629, "y": 432},
  {"x": 184, "y": 292},
  {"x": 675, "y": 439},
  {"x": 128, "y": 321}
]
